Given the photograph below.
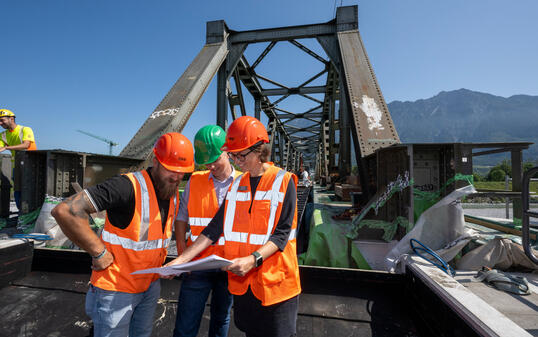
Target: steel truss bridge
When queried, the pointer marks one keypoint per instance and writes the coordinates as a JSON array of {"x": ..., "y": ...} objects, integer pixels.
[{"x": 352, "y": 107}]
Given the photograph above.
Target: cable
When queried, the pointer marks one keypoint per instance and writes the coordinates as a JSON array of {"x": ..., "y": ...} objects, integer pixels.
[
  {"x": 38, "y": 237},
  {"x": 442, "y": 264}
]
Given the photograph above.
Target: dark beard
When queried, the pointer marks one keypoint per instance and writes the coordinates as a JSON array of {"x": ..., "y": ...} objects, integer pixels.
[{"x": 165, "y": 190}]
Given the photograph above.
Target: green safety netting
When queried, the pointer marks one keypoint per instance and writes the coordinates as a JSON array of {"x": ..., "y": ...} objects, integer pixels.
[
  {"x": 424, "y": 200},
  {"x": 26, "y": 222},
  {"x": 389, "y": 228}
]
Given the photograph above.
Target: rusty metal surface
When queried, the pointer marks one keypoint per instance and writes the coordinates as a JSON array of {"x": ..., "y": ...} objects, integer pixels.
[
  {"x": 391, "y": 163},
  {"x": 177, "y": 106},
  {"x": 373, "y": 122},
  {"x": 52, "y": 172}
]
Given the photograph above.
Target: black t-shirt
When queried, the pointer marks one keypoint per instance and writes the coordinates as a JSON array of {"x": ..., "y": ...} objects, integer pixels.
[
  {"x": 116, "y": 197},
  {"x": 283, "y": 228}
]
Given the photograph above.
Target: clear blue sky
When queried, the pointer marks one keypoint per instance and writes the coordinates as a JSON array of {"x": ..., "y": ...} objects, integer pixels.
[{"x": 103, "y": 66}]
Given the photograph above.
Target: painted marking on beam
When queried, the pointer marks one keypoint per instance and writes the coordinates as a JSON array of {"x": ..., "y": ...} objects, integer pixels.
[
  {"x": 372, "y": 112},
  {"x": 165, "y": 112}
]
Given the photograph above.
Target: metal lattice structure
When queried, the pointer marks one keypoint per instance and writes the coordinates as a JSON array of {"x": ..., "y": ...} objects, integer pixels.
[{"x": 352, "y": 106}]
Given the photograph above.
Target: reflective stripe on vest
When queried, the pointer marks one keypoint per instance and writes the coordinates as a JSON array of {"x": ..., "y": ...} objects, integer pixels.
[
  {"x": 4, "y": 137},
  {"x": 202, "y": 222},
  {"x": 125, "y": 243},
  {"x": 144, "y": 217},
  {"x": 274, "y": 195},
  {"x": 142, "y": 243}
]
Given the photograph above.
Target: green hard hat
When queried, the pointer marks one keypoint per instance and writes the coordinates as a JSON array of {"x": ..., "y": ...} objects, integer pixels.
[{"x": 207, "y": 143}]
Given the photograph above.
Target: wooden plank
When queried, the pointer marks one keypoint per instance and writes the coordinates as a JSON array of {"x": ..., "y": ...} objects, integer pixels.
[{"x": 495, "y": 226}]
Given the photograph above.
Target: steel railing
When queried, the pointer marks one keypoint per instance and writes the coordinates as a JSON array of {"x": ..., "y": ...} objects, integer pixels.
[{"x": 527, "y": 213}]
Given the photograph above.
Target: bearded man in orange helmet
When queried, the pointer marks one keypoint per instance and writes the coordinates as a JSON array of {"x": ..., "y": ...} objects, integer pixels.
[{"x": 141, "y": 208}]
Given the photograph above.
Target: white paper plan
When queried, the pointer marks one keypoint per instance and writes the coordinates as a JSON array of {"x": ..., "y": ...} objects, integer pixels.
[{"x": 210, "y": 262}]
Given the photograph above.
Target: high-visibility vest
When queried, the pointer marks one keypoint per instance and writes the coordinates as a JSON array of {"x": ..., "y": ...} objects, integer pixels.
[
  {"x": 141, "y": 245},
  {"x": 277, "y": 279},
  {"x": 32, "y": 146},
  {"x": 203, "y": 205}
]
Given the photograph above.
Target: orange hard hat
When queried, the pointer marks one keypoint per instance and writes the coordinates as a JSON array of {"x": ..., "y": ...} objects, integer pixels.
[
  {"x": 174, "y": 151},
  {"x": 243, "y": 133}
]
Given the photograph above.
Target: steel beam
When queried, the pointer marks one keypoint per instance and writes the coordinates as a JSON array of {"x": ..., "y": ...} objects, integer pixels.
[
  {"x": 283, "y": 33},
  {"x": 222, "y": 98},
  {"x": 257, "y": 108},
  {"x": 239, "y": 93},
  {"x": 308, "y": 51},
  {"x": 294, "y": 91},
  {"x": 344, "y": 153},
  {"x": 177, "y": 106},
  {"x": 281, "y": 149},
  {"x": 371, "y": 117},
  {"x": 292, "y": 116},
  {"x": 263, "y": 54}
]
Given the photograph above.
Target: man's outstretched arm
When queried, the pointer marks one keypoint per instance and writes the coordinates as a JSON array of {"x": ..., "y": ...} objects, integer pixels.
[{"x": 72, "y": 215}]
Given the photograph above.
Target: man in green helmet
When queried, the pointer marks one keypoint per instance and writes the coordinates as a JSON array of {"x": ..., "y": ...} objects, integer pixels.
[{"x": 203, "y": 195}]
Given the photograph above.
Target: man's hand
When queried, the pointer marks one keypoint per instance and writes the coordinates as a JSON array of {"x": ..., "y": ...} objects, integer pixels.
[
  {"x": 178, "y": 260},
  {"x": 104, "y": 262},
  {"x": 201, "y": 243},
  {"x": 2, "y": 149},
  {"x": 242, "y": 265}
]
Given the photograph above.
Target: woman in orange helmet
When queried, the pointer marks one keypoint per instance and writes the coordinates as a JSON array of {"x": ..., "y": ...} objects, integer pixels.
[{"x": 259, "y": 222}]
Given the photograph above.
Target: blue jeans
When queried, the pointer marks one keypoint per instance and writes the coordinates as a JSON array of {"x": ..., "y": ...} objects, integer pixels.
[
  {"x": 116, "y": 313},
  {"x": 17, "y": 196},
  {"x": 195, "y": 288}
]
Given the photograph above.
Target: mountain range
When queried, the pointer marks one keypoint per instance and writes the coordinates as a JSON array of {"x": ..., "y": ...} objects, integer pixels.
[{"x": 469, "y": 116}]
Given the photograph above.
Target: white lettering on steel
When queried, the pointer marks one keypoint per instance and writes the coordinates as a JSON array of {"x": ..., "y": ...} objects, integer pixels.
[{"x": 165, "y": 112}]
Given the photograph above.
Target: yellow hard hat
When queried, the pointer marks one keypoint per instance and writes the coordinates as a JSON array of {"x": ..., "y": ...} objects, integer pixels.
[{"x": 6, "y": 113}]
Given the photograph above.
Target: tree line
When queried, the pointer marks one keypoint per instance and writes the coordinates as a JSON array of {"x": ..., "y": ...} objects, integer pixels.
[{"x": 499, "y": 171}]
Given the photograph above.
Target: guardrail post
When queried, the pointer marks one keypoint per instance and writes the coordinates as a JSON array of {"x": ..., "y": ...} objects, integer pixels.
[
  {"x": 517, "y": 175},
  {"x": 507, "y": 199},
  {"x": 527, "y": 213}
]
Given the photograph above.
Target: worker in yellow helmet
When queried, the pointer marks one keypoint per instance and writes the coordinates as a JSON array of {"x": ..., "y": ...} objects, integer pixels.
[{"x": 15, "y": 138}]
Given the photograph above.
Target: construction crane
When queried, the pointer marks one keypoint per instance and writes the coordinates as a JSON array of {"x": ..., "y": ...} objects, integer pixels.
[{"x": 108, "y": 141}]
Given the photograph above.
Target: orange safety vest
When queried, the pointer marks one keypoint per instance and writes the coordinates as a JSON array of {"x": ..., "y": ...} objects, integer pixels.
[
  {"x": 141, "y": 245},
  {"x": 277, "y": 279},
  {"x": 203, "y": 205}
]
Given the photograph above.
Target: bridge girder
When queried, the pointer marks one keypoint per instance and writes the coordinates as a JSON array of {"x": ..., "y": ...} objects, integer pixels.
[{"x": 352, "y": 107}]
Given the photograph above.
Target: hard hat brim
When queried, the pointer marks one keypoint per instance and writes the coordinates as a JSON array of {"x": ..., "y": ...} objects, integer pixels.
[
  {"x": 178, "y": 169},
  {"x": 203, "y": 159},
  {"x": 228, "y": 149}
]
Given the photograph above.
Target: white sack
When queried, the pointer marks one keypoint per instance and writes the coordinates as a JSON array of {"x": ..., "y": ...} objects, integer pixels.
[{"x": 45, "y": 221}]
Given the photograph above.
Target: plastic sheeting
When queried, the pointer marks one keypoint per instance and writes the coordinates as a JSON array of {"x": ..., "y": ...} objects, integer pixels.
[
  {"x": 437, "y": 227},
  {"x": 330, "y": 243}
]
